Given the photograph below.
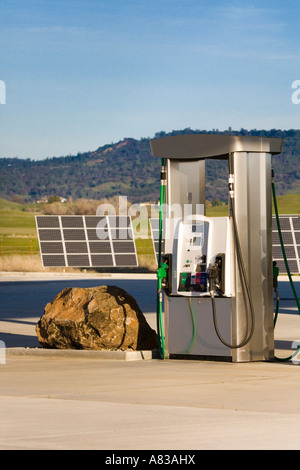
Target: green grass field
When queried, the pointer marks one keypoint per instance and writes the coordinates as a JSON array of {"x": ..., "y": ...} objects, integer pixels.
[
  {"x": 17, "y": 230},
  {"x": 18, "y": 234},
  {"x": 288, "y": 204}
]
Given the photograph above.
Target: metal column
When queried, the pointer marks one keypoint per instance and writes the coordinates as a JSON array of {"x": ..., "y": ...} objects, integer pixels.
[{"x": 253, "y": 210}]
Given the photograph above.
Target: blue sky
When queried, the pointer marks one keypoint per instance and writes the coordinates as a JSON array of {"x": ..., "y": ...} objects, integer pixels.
[{"x": 82, "y": 74}]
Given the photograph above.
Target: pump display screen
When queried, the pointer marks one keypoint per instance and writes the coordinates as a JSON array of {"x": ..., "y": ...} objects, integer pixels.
[
  {"x": 193, "y": 242},
  {"x": 197, "y": 241}
]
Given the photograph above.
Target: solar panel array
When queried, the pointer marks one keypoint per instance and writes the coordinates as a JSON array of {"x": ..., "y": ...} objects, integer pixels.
[
  {"x": 290, "y": 228},
  {"x": 86, "y": 241},
  {"x": 108, "y": 241}
]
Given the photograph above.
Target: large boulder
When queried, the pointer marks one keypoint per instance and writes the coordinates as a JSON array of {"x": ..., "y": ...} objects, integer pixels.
[{"x": 104, "y": 317}]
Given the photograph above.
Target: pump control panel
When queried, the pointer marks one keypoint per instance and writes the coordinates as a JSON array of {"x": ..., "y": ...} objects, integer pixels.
[
  {"x": 192, "y": 256},
  {"x": 201, "y": 257}
]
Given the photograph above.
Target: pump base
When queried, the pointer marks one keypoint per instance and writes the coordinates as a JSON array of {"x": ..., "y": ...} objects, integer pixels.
[
  {"x": 190, "y": 331},
  {"x": 196, "y": 357}
]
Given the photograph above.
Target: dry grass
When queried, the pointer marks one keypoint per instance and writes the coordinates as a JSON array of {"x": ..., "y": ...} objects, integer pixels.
[
  {"x": 23, "y": 263},
  {"x": 147, "y": 262},
  {"x": 27, "y": 263},
  {"x": 32, "y": 263},
  {"x": 80, "y": 206}
]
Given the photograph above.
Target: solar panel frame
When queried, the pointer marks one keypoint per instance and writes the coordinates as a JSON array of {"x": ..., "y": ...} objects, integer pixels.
[
  {"x": 47, "y": 221},
  {"x": 296, "y": 223},
  {"x": 73, "y": 241},
  {"x": 49, "y": 234},
  {"x": 290, "y": 231},
  {"x": 71, "y": 221},
  {"x": 53, "y": 260},
  {"x": 52, "y": 247}
]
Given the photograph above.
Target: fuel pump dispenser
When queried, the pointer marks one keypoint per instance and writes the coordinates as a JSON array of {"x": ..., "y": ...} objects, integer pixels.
[{"x": 215, "y": 274}]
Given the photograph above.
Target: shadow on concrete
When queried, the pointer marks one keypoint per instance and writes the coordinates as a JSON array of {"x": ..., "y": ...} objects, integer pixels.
[
  {"x": 27, "y": 299},
  {"x": 13, "y": 340}
]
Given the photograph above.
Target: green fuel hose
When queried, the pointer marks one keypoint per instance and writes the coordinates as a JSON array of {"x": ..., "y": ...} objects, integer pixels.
[
  {"x": 161, "y": 268},
  {"x": 287, "y": 269}
]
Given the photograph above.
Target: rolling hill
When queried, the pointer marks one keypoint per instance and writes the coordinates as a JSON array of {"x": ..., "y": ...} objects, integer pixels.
[{"x": 128, "y": 168}]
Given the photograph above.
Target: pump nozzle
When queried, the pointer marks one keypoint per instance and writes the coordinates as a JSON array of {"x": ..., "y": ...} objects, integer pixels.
[
  {"x": 215, "y": 275},
  {"x": 161, "y": 272}
]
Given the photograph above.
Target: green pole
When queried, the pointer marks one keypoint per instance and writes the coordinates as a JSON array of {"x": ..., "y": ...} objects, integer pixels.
[{"x": 161, "y": 271}]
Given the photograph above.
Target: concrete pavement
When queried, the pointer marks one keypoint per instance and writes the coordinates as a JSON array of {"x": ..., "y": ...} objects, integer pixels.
[{"x": 55, "y": 401}]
